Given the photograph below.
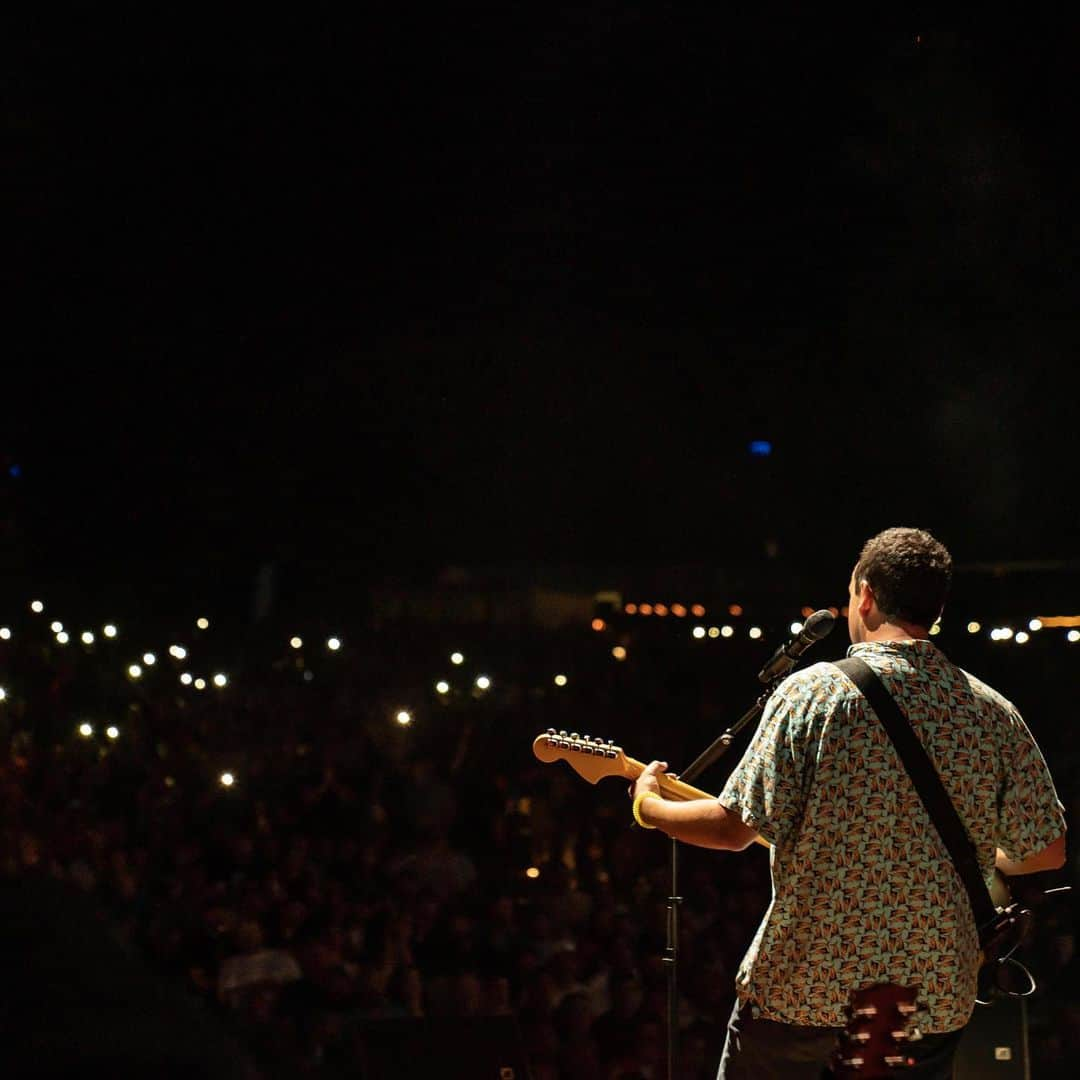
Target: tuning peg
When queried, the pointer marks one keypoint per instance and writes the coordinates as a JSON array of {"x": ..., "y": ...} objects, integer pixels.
[
  {"x": 586, "y": 738},
  {"x": 562, "y": 734},
  {"x": 551, "y": 731},
  {"x": 574, "y": 735}
]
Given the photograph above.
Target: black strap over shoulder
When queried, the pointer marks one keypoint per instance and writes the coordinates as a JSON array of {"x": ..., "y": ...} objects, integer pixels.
[{"x": 928, "y": 784}]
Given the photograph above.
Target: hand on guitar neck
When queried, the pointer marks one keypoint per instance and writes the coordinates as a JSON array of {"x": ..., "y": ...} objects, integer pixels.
[{"x": 684, "y": 812}]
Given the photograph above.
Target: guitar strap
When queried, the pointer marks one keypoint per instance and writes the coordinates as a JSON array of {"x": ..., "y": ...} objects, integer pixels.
[{"x": 929, "y": 787}]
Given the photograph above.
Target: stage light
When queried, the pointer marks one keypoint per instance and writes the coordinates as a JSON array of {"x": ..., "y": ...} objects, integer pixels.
[
  {"x": 87, "y": 637},
  {"x": 599, "y": 624},
  {"x": 1022, "y": 638},
  {"x": 37, "y": 607},
  {"x": 619, "y": 652},
  {"x": 457, "y": 658},
  {"x": 1006, "y": 633},
  {"x": 5, "y": 633},
  {"x": 698, "y": 610},
  {"x": 178, "y": 651},
  {"x": 56, "y": 626},
  {"x": 149, "y": 659},
  {"x": 220, "y": 680},
  {"x": 645, "y": 609},
  {"x": 404, "y": 718},
  {"x": 734, "y": 609},
  {"x": 333, "y": 644},
  {"x": 1073, "y": 635},
  {"x": 755, "y": 632},
  {"x": 806, "y": 612},
  {"x": 714, "y": 631},
  {"x": 1035, "y": 624},
  {"x": 760, "y": 448},
  {"x": 200, "y": 684},
  {"x": 227, "y": 779},
  {"x": 698, "y": 632},
  {"x": 560, "y": 680},
  {"x": 661, "y": 610},
  {"x": 186, "y": 679},
  {"x": 3, "y": 694},
  {"x": 442, "y": 686},
  {"x": 109, "y": 630},
  {"x": 202, "y": 624},
  {"x": 135, "y": 671},
  {"x": 86, "y": 730},
  {"x": 796, "y": 627},
  {"x": 727, "y": 631},
  {"x": 62, "y": 638},
  {"x": 112, "y": 731},
  {"x": 630, "y": 609},
  {"x": 482, "y": 682},
  {"x": 533, "y": 872},
  {"x": 935, "y": 629},
  {"x": 974, "y": 627},
  {"x": 296, "y": 643},
  {"x": 678, "y": 611}
]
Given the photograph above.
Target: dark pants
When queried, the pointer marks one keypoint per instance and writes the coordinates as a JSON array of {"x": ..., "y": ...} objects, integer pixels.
[{"x": 768, "y": 1050}]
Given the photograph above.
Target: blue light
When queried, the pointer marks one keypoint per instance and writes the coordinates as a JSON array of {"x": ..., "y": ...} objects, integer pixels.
[
  {"x": 761, "y": 448},
  {"x": 15, "y": 471}
]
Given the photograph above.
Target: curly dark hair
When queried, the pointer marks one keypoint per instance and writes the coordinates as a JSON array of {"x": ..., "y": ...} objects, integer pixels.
[{"x": 910, "y": 572}]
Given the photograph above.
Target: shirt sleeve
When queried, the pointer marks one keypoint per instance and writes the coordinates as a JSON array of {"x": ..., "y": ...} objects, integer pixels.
[
  {"x": 767, "y": 787},
  {"x": 1030, "y": 814}
]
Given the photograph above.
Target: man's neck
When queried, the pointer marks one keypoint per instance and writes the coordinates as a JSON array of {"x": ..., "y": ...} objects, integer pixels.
[{"x": 897, "y": 633}]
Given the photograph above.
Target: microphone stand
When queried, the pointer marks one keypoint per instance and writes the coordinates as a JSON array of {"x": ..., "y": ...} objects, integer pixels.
[{"x": 671, "y": 953}]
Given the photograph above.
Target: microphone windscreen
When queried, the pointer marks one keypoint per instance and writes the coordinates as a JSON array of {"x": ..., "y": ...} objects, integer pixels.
[{"x": 819, "y": 625}]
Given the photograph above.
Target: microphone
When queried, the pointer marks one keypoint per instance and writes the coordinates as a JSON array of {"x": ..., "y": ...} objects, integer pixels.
[{"x": 783, "y": 660}]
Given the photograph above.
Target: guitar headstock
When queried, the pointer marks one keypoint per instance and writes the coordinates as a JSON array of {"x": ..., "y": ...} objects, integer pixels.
[
  {"x": 872, "y": 1044},
  {"x": 591, "y": 758}
]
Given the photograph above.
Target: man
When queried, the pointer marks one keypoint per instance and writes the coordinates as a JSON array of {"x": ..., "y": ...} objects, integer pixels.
[{"x": 863, "y": 889}]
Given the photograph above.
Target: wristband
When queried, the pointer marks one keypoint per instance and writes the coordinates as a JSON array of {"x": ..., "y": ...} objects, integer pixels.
[{"x": 638, "y": 800}]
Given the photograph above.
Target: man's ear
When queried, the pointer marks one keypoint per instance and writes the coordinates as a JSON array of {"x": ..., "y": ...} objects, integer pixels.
[{"x": 865, "y": 597}]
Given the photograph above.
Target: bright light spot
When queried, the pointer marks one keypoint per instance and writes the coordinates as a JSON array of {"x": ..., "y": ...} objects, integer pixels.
[
  {"x": 5, "y": 633},
  {"x": 62, "y": 637},
  {"x": 645, "y": 609},
  {"x": 796, "y": 627},
  {"x": 698, "y": 610},
  {"x": 599, "y": 624},
  {"x": 1005, "y": 633},
  {"x": 227, "y": 779},
  {"x": 482, "y": 682},
  {"x": 661, "y": 610},
  {"x": 149, "y": 659},
  {"x": 727, "y": 631},
  {"x": 404, "y": 718},
  {"x": 442, "y": 686},
  {"x": 202, "y": 624},
  {"x": 698, "y": 632},
  {"x": 134, "y": 671},
  {"x": 935, "y": 629},
  {"x": 3, "y": 694},
  {"x": 678, "y": 611},
  {"x": 714, "y": 631},
  {"x": 630, "y": 609},
  {"x": 178, "y": 651},
  {"x": 755, "y": 632},
  {"x": 1022, "y": 638},
  {"x": 86, "y": 730},
  {"x": 760, "y": 448},
  {"x": 1035, "y": 624},
  {"x": 533, "y": 872},
  {"x": 560, "y": 680},
  {"x": 457, "y": 658},
  {"x": 296, "y": 643},
  {"x": 734, "y": 609},
  {"x": 200, "y": 684},
  {"x": 806, "y": 612},
  {"x": 220, "y": 679},
  {"x": 112, "y": 731},
  {"x": 56, "y": 626},
  {"x": 186, "y": 678},
  {"x": 974, "y": 627},
  {"x": 1073, "y": 635},
  {"x": 333, "y": 644},
  {"x": 109, "y": 630},
  {"x": 87, "y": 637},
  {"x": 37, "y": 607},
  {"x": 619, "y": 652}
]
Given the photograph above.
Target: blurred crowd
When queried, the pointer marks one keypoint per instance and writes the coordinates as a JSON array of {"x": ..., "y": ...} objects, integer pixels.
[{"x": 360, "y": 870}]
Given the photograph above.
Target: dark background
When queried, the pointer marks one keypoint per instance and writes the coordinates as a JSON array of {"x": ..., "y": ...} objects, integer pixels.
[{"x": 520, "y": 287}]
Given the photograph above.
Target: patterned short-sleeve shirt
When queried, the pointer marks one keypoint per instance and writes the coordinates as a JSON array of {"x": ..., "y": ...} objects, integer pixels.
[{"x": 863, "y": 889}]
